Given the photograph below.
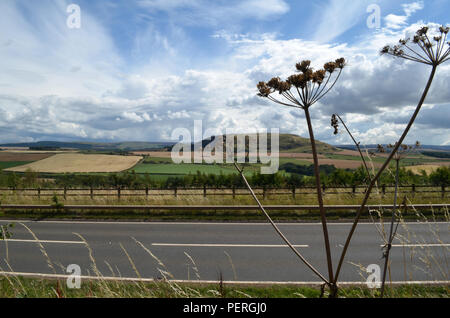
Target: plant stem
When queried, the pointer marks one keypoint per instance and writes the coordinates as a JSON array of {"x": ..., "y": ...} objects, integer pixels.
[
  {"x": 277, "y": 229},
  {"x": 357, "y": 146},
  {"x": 391, "y": 234},
  {"x": 319, "y": 195},
  {"x": 385, "y": 165}
]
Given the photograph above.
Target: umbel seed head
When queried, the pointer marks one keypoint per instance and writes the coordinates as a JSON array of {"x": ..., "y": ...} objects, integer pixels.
[
  {"x": 423, "y": 49},
  {"x": 335, "y": 124},
  {"x": 310, "y": 85},
  {"x": 303, "y": 66}
]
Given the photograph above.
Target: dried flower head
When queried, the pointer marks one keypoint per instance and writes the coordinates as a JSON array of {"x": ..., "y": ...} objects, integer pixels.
[
  {"x": 421, "y": 49},
  {"x": 330, "y": 67},
  {"x": 303, "y": 66},
  {"x": 444, "y": 29},
  {"x": 319, "y": 76},
  {"x": 264, "y": 90},
  {"x": 335, "y": 124},
  {"x": 310, "y": 86},
  {"x": 380, "y": 149},
  {"x": 340, "y": 63}
]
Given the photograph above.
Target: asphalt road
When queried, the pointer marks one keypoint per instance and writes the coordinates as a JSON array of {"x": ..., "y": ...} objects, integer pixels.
[{"x": 235, "y": 251}]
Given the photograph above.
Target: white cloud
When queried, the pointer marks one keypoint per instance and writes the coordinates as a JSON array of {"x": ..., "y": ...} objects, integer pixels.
[
  {"x": 336, "y": 17},
  {"x": 76, "y": 90},
  {"x": 197, "y": 12},
  {"x": 398, "y": 21}
]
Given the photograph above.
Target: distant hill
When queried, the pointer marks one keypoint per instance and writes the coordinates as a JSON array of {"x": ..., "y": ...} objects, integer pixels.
[
  {"x": 288, "y": 143},
  {"x": 422, "y": 147},
  {"x": 97, "y": 146}
]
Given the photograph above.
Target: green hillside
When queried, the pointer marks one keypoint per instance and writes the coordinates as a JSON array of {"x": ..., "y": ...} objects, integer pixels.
[{"x": 289, "y": 143}]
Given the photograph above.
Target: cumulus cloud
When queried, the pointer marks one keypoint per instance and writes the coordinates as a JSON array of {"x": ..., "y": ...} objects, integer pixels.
[{"x": 80, "y": 89}]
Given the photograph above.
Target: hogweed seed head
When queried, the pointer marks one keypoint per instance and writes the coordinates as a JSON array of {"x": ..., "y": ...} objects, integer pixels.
[
  {"x": 264, "y": 90},
  {"x": 303, "y": 66},
  {"x": 330, "y": 67},
  {"x": 424, "y": 51},
  {"x": 309, "y": 84},
  {"x": 318, "y": 76},
  {"x": 340, "y": 63},
  {"x": 335, "y": 124}
]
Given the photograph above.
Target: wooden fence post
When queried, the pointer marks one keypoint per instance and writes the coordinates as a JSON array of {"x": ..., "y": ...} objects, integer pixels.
[
  {"x": 204, "y": 191},
  {"x": 264, "y": 192},
  {"x": 175, "y": 192},
  {"x": 146, "y": 192},
  {"x": 354, "y": 189},
  {"x": 118, "y": 192},
  {"x": 39, "y": 193},
  {"x": 383, "y": 189},
  {"x": 443, "y": 191},
  {"x": 92, "y": 193},
  {"x": 65, "y": 193},
  {"x": 234, "y": 192},
  {"x": 293, "y": 192}
]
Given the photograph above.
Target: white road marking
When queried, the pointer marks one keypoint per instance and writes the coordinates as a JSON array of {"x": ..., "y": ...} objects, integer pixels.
[
  {"x": 132, "y": 279},
  {"x": 45, "y": 241},
  {"x": 420, "y": 245},
  {"x": 222, "y": 245}
]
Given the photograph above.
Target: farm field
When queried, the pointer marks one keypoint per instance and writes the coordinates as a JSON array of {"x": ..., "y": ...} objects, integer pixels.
[
  {"x": 80, "y": 163},
  {"x": 6, "y": 156},
  {"x": 427, "y": 168},
  {"x": 183, "y": 169}
]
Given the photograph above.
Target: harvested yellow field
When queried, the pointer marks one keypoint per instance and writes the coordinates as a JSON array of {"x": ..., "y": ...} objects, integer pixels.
[
  {"x": 79, "y": 163},
  {"x": 427, "y": 168}
]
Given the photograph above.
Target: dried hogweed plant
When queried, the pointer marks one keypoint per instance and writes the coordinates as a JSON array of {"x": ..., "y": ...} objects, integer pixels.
[
  {"x": 401, "y": 153},
  {"x": 302, "y": 90},
  {"x": 420, "y": 49}
]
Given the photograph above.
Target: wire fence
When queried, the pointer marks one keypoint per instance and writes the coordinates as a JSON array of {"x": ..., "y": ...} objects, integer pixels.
[{"x": 214, "y": 191}]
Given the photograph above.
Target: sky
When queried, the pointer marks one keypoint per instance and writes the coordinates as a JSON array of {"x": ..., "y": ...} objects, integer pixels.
[{"x": 135, "y": 70}]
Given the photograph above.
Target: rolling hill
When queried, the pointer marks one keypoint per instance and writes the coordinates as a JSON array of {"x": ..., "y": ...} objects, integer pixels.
[{"x": 288, "y": 143}]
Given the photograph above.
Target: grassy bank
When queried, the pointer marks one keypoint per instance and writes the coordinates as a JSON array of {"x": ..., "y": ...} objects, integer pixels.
[
  {"x": 13, "y": 287},
  {"x": 220, "y": 198}
]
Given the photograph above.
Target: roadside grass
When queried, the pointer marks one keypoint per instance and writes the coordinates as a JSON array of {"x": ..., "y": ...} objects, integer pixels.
[
  {"x": 195, "y": 198},
  {"x": 19, "y": 287}
]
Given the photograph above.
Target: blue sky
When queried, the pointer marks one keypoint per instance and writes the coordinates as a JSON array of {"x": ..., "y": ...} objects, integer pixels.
[{"x": 136, "y": 70}]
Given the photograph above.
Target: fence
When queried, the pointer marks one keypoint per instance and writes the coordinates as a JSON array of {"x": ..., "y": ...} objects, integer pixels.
[
  {"x": 211, "y": 207},
  {"x": 208, "y": 191}
]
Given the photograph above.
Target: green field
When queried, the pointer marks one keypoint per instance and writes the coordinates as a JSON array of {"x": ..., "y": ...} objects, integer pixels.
[
  {"x": 183, "y": 169},
  {"x": 12, "y": 164}
]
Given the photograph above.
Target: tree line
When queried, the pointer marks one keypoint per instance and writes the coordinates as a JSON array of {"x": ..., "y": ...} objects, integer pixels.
[{"x": 292, "y": 176}]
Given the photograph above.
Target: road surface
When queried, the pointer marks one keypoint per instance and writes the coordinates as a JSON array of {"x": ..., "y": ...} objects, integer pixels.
[{"x": 236, "y": 251}]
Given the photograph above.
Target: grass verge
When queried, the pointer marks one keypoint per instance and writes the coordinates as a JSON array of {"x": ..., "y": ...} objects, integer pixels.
[{"x": 18, "y": 287}]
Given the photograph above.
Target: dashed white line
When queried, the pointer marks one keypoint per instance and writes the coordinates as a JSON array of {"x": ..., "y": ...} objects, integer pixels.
[
  {"x": 44, "y": 241},
  {"x": 224, "y": 245},
  {"x": 421, "y": 245}
]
